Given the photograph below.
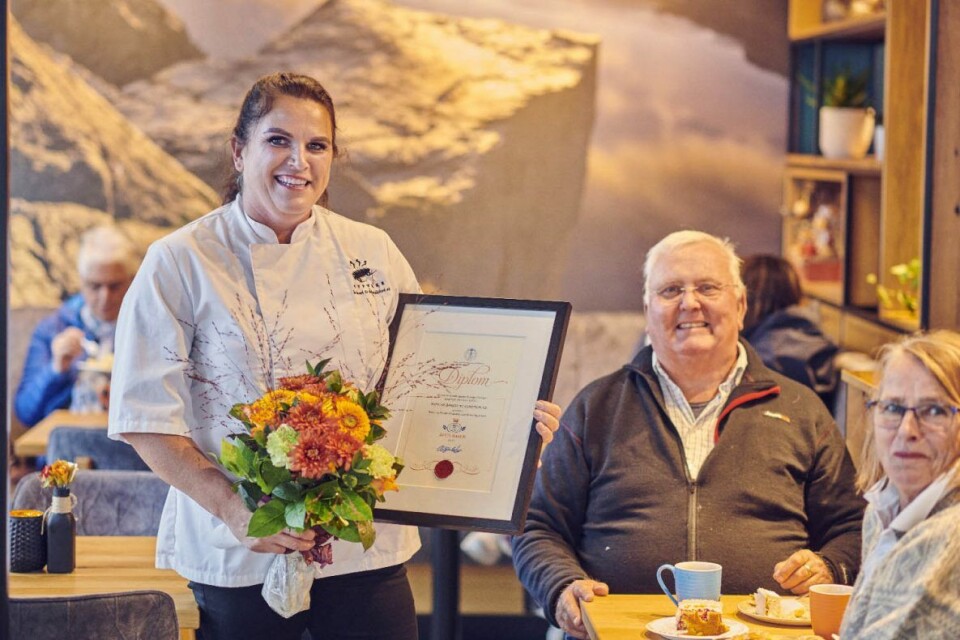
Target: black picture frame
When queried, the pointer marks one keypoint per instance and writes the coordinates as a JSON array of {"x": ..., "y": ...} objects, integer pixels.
[{"x": 526, "y": 334}]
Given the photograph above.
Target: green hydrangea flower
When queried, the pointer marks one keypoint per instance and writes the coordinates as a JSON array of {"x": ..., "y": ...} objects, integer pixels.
[
  {"x": 279, "y": 445},
  {"x": 381, "y": 461}
]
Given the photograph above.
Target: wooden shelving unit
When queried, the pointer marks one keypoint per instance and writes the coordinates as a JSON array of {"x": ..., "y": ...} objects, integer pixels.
[
  {"x": 866, "y": 28},
  {"x": 880, "y": 203},
  {"x": 868, "y": 166}
]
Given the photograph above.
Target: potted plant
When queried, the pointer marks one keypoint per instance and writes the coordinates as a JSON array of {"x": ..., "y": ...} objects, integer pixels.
[
  {"x": 846, "y": 122},
  {"x": 905, "y": 299}
]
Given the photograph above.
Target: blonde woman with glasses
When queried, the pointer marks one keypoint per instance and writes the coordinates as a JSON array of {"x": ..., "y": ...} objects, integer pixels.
[{"x": 909, "y": 584}]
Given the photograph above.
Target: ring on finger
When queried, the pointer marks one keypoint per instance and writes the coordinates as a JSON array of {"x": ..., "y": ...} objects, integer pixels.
[{"x": 808, "y": 568}]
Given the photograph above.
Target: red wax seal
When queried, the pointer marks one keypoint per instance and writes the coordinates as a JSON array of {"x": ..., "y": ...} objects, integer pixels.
[{"x": 443, "y": 469}]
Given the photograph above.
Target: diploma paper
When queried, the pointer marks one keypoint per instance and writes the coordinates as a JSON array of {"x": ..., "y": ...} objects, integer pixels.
[{"x": 461, "y": 386}]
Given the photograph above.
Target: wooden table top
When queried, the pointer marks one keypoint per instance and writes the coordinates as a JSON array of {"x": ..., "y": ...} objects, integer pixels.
[
  {"x": 111, "y": 564},
  {"x": 625, "y": 617},
  {"x": 34, "y": 441}
]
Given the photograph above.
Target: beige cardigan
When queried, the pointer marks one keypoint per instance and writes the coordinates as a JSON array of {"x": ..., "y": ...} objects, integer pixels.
[{"x": 915, "y": 592}]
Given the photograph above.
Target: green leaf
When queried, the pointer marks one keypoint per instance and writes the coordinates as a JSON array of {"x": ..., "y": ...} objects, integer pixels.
[
  {"x": 327, "y": 490},
  {"x": 317, "y": 369},
  {"x": 346, "y": 531},
  {"x": 237, "y": 411},
  {"x": 335, "y": 382},
  {"x": 229, "y": 456},
  {"x": 376, "y": 433},
  {"x": 270, "y": 476},
  {"x": 367, "y": 534},
  {"x": 295, "y": 515},
  {"x": 250, "y": 493},
  {"x": 288, "y": 491},
  {"x": 350, "y": 481},
  {"x": 267, "y": 520},
  {"x": 363, "y": 480},
  {"x": 320, "y": 512},
  {"x": 236, "y": 458},
  {"x": 248, "y": 441},
  {"x": 353, "y": 507}
]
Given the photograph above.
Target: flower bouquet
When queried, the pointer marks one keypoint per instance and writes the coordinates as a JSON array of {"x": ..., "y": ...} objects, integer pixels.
[
  {"x": 308, "y": 458},
  {"x": 59, "y": 474}
]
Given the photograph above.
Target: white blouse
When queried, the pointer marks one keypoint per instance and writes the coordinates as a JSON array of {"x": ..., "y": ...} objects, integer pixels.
[{"x": 219, "y": 306}]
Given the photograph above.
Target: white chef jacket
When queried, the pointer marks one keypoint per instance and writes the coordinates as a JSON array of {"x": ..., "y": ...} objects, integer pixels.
[{"x": 216, "y": 307}]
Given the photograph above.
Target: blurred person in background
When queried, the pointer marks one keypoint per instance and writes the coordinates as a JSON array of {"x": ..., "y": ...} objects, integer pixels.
[
  {"x": 784, "y": 333},
  {"x": 83, "y": 327}
]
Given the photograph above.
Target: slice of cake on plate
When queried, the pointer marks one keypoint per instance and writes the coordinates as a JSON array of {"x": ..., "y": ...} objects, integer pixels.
[
  {"x": 701, "y": 618},
  {"x": 771, "y": 605},
  {"x": 768, "y": 603}
]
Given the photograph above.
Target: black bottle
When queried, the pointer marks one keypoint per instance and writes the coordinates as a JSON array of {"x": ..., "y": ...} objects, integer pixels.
[{"x": 61, "y": 533}]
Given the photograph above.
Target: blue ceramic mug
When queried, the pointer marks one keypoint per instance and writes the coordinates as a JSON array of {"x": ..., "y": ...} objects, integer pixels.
[{"x": 694, "y": 580}]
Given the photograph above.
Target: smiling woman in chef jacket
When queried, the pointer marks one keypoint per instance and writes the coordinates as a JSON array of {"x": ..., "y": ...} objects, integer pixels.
[{"x": 244, "y": 294}]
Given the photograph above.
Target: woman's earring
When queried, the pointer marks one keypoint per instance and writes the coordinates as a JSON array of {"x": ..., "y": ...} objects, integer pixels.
[{"x": 240, "y": 182}]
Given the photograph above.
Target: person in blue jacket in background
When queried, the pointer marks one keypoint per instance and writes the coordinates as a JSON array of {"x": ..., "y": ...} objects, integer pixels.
[{"x": 82, "y": 327}]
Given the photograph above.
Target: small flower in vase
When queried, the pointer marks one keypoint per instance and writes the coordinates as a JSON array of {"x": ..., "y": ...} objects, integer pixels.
[
  {"x": 58, "y": 475},
  {"x": 61, "y": 525}
]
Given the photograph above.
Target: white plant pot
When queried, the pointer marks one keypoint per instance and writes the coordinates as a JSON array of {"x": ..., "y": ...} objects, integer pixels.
[
  {"x": 878, "y": 141},
  {"x": 846, "y": 132}
]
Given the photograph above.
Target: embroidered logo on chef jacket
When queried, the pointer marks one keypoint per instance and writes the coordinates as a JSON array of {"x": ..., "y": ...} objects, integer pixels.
[{"x": 366, "y": 280}]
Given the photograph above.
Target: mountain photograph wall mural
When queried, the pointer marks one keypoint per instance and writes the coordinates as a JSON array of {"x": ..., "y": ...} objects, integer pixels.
[{"x": 511, "y": 148}]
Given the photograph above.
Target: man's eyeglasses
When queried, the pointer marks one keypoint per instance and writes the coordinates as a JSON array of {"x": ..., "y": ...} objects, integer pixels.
[
  {"x": 703, "y": 291},
  {"x": 933, "y": 415}
]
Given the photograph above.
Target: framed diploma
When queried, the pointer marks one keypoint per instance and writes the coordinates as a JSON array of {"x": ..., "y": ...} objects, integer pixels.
[{"x": 462, "y": 380}]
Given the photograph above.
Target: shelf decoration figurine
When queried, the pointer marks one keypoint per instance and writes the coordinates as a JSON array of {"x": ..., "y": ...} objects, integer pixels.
[
  {"x": 904, "y": 298},
  {"x": 846, "y": 122},
  {"x": 61, "y": 525}
]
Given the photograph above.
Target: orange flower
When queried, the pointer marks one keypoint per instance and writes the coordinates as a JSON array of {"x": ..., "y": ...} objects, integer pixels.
[
  {"x": 382, "y": 485},
  {"x": 322, "y": 451},
  {"x": 310, "y": 415},
  {"x": 310, "y": 384}
]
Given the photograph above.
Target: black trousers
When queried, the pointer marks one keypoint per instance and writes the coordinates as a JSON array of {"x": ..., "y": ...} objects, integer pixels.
[{"x": 372, "y": 605}]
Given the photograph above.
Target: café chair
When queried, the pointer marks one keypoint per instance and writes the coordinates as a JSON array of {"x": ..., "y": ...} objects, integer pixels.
[
  {"x": 109, "y": 503},
  {"x": 144, "y": 615},
  {"x": 75, "y": 443}
]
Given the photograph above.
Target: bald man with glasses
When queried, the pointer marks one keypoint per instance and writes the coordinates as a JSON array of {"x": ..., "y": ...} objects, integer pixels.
[{"x": 694, "y": 451}]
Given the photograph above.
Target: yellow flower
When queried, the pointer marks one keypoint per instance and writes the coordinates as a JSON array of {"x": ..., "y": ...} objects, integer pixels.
[
  {"x": 58, "y": 474},
  {"x": 266, "y": 410},
  {"x": 351, "y": 417}
]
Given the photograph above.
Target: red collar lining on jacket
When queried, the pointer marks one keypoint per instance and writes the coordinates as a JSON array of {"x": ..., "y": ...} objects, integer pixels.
[{"x": 745, "y": 398}]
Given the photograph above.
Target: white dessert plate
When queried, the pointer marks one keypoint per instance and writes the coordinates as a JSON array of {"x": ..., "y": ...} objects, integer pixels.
[
  {"x": 667, "y": 628},
  {"x": 748, "y": 608}
]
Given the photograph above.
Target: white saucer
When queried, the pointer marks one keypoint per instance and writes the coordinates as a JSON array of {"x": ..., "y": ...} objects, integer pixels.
[
  {"x": 667, "y": 628},
  {"x": 748, "y": 608}
]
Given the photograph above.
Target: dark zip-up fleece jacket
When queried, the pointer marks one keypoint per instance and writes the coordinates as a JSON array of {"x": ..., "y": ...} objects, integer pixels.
[{"x": 613, "y": 499}]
